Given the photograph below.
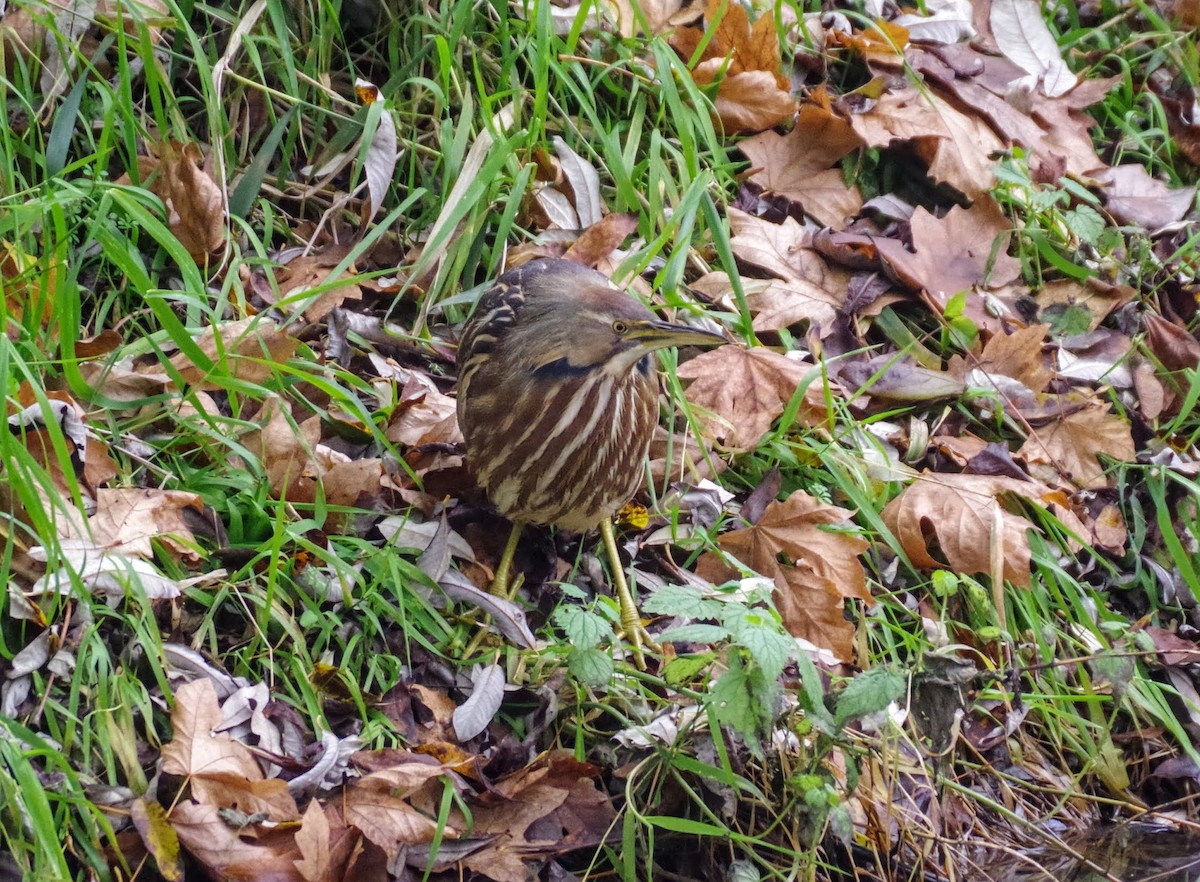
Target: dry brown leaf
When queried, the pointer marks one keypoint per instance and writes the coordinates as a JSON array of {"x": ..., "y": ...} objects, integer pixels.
[
  {"x": 226, "y": 852},
  {"x": 22, "y": 36},
  {"x": 808, "y": 288},
  {"x": 313, "y": 841},
  {"x": 1134, "y": 197},
  {"x": 1098, "y": 297},
  {"x": 309, "y": 271},
  {"x": 423, "y": 415},
  {"x": 752, "y": 92},
  {"x": 751, "y": 102},
  {"x": 1175, "y": 347},
  {"x": 815, "y": 570},
  {"x": 739, "y": 392},
  {"x": 964, "y": 249},
  {"x": 956, "y": 516},
  {"x": 27, "y": 284},
  {"x": 957, "y": 147},
  {"x": 548, "y": 808},
  {"x": 798, "y": 165},
  {"x": 601, "y": 239},
  {"x": 195, "y": 204},
  {"x": 1017, "y": 355},
  {"x": 385, "y": 818},
  {"x": 1068, "y": 449},
  {"x": 222, "y": 771},
  {"x": 89, "y": 457},
  {"x": 128, "y": 518},
  {"x": 250, "y": 350}
]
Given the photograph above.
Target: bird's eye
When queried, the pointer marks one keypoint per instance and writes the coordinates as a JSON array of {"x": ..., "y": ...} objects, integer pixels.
[{"x": 619, "y": 327}]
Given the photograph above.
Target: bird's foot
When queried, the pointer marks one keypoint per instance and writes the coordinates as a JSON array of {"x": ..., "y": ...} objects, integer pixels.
[{"x": 635, "y": 632}]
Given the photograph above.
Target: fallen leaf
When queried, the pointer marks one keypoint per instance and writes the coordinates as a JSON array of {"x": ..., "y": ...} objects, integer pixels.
[
  {"x": 744, "y": 62},
  {"x": 1017, "y": 355},
  {"x": 128, "y": 518},
  {"x": 301, "y": 275},
  {"x": 739, "y": 392},
  {"x": 550, "y": 807},
  {"x": 1071, "y": 445},
  {"x": 806, "y": 288},
  {"x": 958, "y": 148},
  {"x": 1134, "y": 197},
  {"x": 956, "y": 515},
  {"x": 222, "y": 771},
  {"x": 815, "y": 570},
  {"x": 150, "y": 820},
  {"x": 374, "y": 806},
  {"x": 965, "y": 249},
  {"x": 379, "y": 162},
  {"x": 653, "y": 17},
  {"x": 224, "y": 851},
  {"x": 1022, "y": 35},
  {"x": 1175, "y": 347},
  {"x": 799, "y": 165},
  {"x": 250, "y": 350},
  {"x": 195, "y": 204}
]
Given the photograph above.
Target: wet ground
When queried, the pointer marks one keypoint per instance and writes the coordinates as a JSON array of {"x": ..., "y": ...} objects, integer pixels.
[{"x": 1119, "y": 854}]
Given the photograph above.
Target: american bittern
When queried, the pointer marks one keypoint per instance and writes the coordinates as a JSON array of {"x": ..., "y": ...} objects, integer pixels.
[{"x": 557, "y": 400}]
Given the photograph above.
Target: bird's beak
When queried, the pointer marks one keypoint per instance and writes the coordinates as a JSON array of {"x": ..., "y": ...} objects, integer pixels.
[{"x": 661, "y": 335}]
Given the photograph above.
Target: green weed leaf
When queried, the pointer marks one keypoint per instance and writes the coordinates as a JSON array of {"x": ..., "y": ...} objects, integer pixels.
[{"x": 869, "y": 692}]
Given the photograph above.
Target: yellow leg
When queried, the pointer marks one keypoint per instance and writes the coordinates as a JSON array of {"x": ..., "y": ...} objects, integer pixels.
[
  {"x": 500, "y": 585},
  {"x": 631, "y": 620}
]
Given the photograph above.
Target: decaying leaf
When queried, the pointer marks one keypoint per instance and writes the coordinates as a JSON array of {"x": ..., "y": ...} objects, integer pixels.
[
  {"x": 739, "y": 392},
  {"x": 962, "y": 518},
  {"x": 799, "y": 165},
  {"x": 744, "y": 62},
  {"x": 1071, "y": 446},
  {"x": 966, "y": 249},
  {"x": 194, "y": 201},
  {"x": 815, "y": 570}
]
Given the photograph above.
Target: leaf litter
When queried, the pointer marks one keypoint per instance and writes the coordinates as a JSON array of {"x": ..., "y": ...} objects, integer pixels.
[{"x": 258, "y": 794}]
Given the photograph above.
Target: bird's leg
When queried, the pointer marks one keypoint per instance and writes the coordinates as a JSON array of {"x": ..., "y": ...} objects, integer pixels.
[
  {"x": 500, "y": 584},
  {"x": 631, "y": 620}
]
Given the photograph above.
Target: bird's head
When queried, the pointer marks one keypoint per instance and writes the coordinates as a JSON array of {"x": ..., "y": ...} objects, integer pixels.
[{"x": 573, "y": 321}]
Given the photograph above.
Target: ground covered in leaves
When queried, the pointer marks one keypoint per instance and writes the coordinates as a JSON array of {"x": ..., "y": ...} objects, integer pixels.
[{"x": 919, "y": 545}]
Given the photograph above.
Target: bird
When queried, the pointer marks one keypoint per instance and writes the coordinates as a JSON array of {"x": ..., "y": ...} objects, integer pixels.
[{"x": 557, "y": 399}]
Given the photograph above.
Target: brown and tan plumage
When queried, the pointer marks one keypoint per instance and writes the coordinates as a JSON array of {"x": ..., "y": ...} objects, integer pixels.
[{"x": 557, "y": 400}]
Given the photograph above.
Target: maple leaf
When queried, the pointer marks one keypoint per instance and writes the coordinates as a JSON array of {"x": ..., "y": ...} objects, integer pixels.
[
  {"x": 957, "y": 148},
  {"x": 807, "y": 287},
  {"x": 127, "y": 518},
  {"x": 964, "y": 249},
  {"x": 740, "y": 392},
  {"x": 744, "y": 62},
  {"x": 222, "y": 771},
  {"x": 815, "y": 570},
  {"x": 1071, "y": 445},
  {"x": 798, "y": 165},
  {"x": 1017, "y": 355},
  {"x": 961, "y": 513}
]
